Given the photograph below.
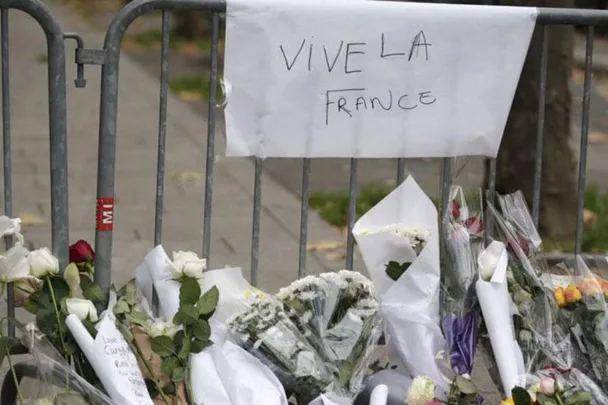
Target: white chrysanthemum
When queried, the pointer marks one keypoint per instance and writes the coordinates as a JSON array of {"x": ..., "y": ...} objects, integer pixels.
[
  {"x": 421, "y": 391},
  {"x": 306, "y": 317}
]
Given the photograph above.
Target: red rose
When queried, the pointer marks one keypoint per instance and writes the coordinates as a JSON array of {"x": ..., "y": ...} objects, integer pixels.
[
  {"x": 81, "y": 252},
  {"x": 518, "y": 244},
  {"x": 454, "y": 209},
  {"x": 474, "y": 225}
]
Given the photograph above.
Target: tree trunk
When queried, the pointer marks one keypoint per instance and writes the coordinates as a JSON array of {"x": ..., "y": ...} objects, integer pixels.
[
  {"x": 515, "y": 164},
  {"x": 191, "y": 24}
]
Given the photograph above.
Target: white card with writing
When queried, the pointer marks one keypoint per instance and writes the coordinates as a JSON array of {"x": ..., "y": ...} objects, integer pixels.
[
  {"x": 319, "y": 78},
  {"x": 113, "y": 361}
]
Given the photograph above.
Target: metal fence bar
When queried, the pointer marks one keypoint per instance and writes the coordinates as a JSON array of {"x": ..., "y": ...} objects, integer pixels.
[
  {"x": 400, "y": 170},
  {"x": 6, "y": 149},
  {"x": 582, "y": 167},
  {"x": 306, "y": 169},
  {"x": 255, "y": 231},
  {"x": 540, "y": 128},
  {"x": 57, "y": 125},
  {"x": 210, "y": 163},
  {"x": 162, "y": 128},
  {"x": 352, "y": 214}
]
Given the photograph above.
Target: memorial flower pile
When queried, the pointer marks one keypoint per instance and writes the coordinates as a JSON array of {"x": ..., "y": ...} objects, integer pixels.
[{"x": 180, "y": 333}]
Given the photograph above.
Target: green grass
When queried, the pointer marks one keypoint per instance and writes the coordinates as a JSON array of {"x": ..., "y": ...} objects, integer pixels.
[
  {"x": 194, "y": 88},
  {"x": 333, "y": 208},
  {"x": 152, "y": 39}
]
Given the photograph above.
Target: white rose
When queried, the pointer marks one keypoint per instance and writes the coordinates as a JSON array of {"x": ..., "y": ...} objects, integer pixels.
[
  {"x": 83, "y": 309},
  {"x": 14, "y": 266},
  {"x": 487, "y": 264},
  {"x": 161, "y": 328},
  {"x": 11, "y": 227},
  {"x": 42, "y": 262},
  {"x": 421, "y": 391},
  {"x": 187, "y": 264}
]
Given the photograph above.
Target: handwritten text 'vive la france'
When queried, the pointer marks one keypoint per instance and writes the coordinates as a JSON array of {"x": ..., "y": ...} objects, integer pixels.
[{"x": 348, "y": 101}]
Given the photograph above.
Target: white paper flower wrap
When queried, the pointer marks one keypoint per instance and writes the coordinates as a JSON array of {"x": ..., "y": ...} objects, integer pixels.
[{"x": 410, "y": 305}]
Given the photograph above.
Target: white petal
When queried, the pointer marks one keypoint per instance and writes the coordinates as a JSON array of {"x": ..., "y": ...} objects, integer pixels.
[{"x": 14, "y": 265}]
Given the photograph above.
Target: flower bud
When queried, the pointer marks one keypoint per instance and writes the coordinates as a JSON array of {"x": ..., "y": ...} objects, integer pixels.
[
  {"x": 547, "y": 386},
  {"x": 83, "y": 309}
]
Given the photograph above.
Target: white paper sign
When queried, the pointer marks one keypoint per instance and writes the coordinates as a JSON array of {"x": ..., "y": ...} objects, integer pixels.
[
  {"x": 317, "y": 78},
  {"x": 112, "y": 360}
]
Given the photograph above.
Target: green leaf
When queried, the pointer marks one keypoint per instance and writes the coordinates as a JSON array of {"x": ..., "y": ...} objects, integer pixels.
[
  {"x": 545, "y": 400},
  {"x": 198, "y": 346},
  {"x": 202, "y": 330},
  {"x": 137, "y": 317},
  {"x": 579, "y": 398},
  {"x": 395, "y": 270},
  {"x": 126, "y": 333},
  {"x": 178, "y": 374},
  {"x": 187, "y": 315},
  {"x": 121, "y": 307},
  {"x": 60, "y": 288},
  {"x": 30, "y": 306},
  {"x": 131, "y": 292},
  {"x": 208, "y": 302},
  {"x": 189, "y": 292},
  {"x": 169, "y": 364},
  {"x": 92, "y": 291},
  {"x": 184, "y": 350},
  {"x": 465, "y": 385},
  {"x": 170, "y": 389},
  {"x": 521, "y": 396},
  {"x": 162, "y": 345}
]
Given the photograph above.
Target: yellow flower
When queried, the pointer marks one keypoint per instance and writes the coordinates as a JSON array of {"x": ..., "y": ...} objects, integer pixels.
[
  {"x": 508, "y": 401},
  {"x": 559, "y": 296},
  {"x": 572, "y": 294}
]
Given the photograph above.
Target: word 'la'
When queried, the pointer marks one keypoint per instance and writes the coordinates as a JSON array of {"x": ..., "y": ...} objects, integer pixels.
[{"x": 419, "y": 47}]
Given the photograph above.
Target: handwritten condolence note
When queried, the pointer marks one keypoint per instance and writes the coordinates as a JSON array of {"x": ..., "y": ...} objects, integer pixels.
[
  {"x": 112, "y": 360},
  {"x": 318, "y": 78}
]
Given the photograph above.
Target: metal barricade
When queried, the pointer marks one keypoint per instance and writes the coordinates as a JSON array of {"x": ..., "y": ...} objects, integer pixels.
[
  {"x": 109, "y": 108},
  {"x": 57, "y": 127}
]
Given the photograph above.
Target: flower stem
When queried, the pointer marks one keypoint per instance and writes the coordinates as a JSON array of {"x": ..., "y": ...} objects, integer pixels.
[
  {"x": 58, "y": 318},
  {"x": 15, "y": 380},
  {"x": 151, "y": 372},
  {"x": 188, "y": 381}
]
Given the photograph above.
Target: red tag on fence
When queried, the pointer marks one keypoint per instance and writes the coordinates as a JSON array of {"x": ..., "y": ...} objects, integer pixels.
[{"x": 105, "y": 214}]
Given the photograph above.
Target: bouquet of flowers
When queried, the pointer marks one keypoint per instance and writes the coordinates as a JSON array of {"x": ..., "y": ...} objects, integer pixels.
[
  {"x": 399, "y": 242},
  {"x": 582, "y": 302},
  {"x": 223, "y": 372},
  {"x": 521, "y": 315},
  {"x": 316, "y": 334},
  {"x": 463, "y": 241},
  {"x": 338, "y": 313}
]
